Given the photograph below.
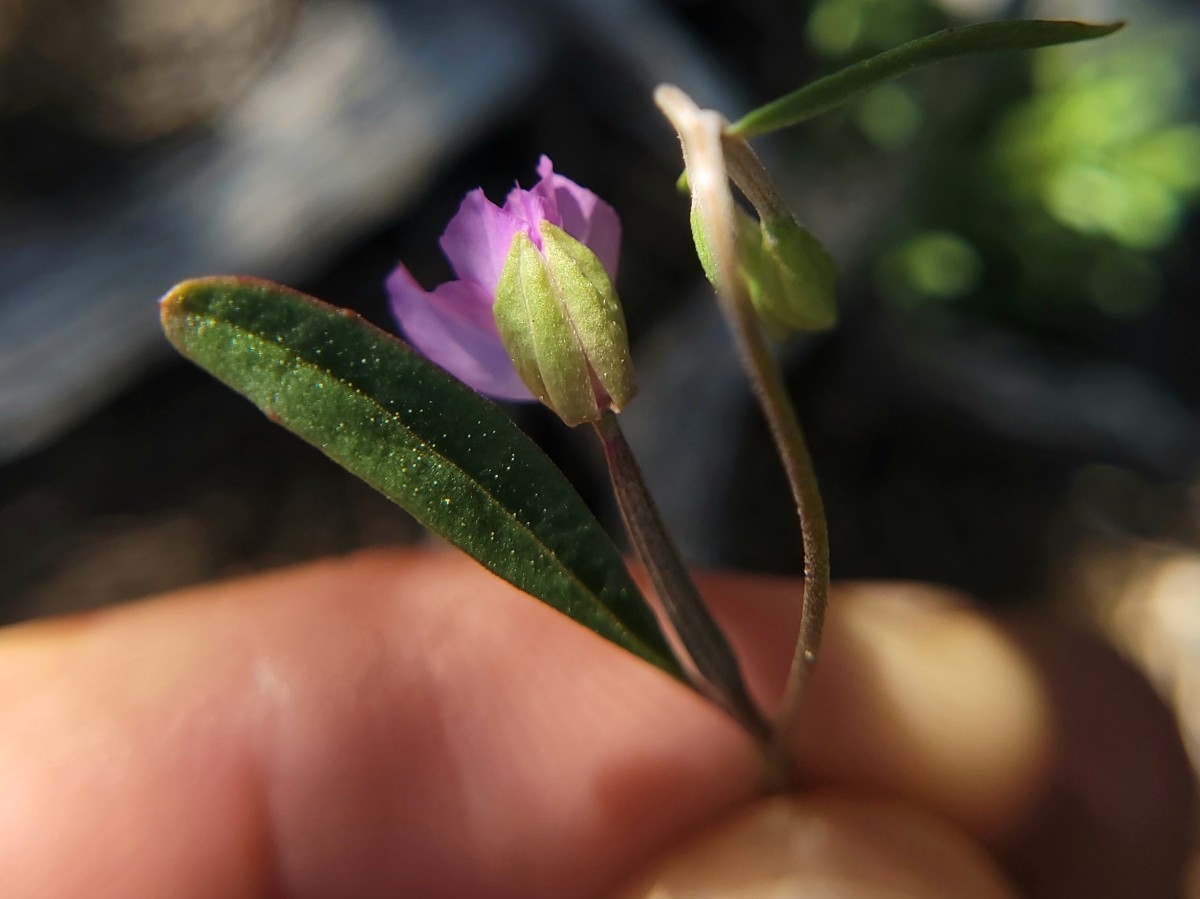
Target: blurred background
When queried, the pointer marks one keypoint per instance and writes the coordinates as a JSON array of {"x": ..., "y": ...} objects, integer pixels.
[{"x": 1009, "y": 406}]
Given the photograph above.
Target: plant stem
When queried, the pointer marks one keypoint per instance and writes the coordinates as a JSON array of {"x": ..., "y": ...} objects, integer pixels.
[
  {"x": 814, "y": 535},
  {"x": 748, "y": 173},
  {"x": 702, "y": 133},
  {"x": 706, "y": 646}
]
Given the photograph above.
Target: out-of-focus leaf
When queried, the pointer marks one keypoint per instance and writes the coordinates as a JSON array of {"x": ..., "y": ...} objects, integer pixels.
[
  {"x": 448, "y": 456},
  {"x": 987, "y": 37}
]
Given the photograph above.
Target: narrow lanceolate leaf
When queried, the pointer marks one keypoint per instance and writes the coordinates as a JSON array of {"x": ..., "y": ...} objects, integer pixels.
[
  {"x": 836, "y": 89},
  {"x": 448, "y": 456}
]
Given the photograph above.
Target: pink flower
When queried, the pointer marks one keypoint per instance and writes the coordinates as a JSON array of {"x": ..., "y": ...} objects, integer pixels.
[{"x": 453, "y": 324}]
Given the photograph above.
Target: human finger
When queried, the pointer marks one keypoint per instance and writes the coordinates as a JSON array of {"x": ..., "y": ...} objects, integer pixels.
[
  {"x": 396, "y": 723},
  {"x": 1035, "y": 739},
  {"x": 406, "y": 722},
  {"x": 824, "y": 844}
]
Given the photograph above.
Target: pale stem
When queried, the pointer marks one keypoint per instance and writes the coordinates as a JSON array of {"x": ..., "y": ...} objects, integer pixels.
[
  {"x": 699, "y": 635},
  {"x": 750, "y": 176},
  {"x": 701, "y": 133}
]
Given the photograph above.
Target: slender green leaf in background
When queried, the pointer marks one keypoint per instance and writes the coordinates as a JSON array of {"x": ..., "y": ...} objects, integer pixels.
[
  {"x": 834, "y": 90},
  {"x": 451, "y": 458}
]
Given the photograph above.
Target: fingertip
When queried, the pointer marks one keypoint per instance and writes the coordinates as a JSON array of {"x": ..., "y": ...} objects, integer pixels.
[
  {"x": 916, "y": 695},
  {"x": 1038, "y": 740},
  {"x": 822, "y": 844},
  {"x": 924, "y": 698}
]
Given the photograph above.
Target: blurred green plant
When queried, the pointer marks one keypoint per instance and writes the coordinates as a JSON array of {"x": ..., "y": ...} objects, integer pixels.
[
  {"x": 1101, "y": 147},
  {"x": 1057, "y": 217},
  {"x": 1104, "y": 149}
]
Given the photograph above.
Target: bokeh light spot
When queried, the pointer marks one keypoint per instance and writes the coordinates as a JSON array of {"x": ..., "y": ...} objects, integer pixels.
[
  {"x": 889, "y": 116},
  {"x": 931, "y": 265},
  {"x": 835, "y": 25}
]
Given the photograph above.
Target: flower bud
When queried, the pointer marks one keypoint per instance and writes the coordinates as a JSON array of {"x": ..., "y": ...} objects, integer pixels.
[
  {"x": 454, "y": 324},
  {"x": 789, "y": 274},
  {"x": 560, "y": 320}
]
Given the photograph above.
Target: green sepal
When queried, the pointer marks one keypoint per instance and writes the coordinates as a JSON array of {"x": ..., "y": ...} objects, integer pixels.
[
  {"x": 700, "y": 238},
  {"x": 535, "y": 330},
  {"x": 987, "y": 37},
  {"x": 595, "y": 312},
  {"x": 561, "y": 322},
  {"x": 450, "y": 457}
]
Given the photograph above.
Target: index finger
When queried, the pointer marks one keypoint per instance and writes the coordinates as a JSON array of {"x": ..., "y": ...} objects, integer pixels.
[{"x": 392, "y": 724}]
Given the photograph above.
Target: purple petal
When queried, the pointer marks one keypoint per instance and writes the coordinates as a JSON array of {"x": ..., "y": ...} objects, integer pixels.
[
  {"x": 581, "y": 214},
  {"x": 478, "y": 239},
  {"x": 531, "y": 209},
  {"x": 453, "y": 327}
]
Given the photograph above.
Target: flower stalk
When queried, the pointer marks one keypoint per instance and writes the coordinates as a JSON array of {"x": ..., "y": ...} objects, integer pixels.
[
  {"x": 699, "y": 635},
  {"x": 703, "y": 137}
]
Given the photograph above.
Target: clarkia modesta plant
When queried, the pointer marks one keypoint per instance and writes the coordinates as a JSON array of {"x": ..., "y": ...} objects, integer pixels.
[{"x": 532, "y": 314}]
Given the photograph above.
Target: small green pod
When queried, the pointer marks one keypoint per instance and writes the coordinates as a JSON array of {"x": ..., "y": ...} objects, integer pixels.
[
  {"x": 789, "y": 275},
  {"x": 787, "y": 272}
]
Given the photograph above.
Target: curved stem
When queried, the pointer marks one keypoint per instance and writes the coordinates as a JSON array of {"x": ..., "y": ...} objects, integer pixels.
[
  {"x": 748, "y": 173},
  {"x": 702, "y": 135}
]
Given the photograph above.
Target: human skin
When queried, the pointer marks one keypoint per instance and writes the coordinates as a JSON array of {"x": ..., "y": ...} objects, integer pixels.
[{"x": 402, "y": 723}]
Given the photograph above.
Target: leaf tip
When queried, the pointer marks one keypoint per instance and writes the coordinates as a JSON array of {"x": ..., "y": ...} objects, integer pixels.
[
  {"x": 177, "y": 300},
  {"x": 173, "y": 300},
  {"x": 1100, "y": 29},
  {"x": 172, "y": 310},
  {"x": 170, "y": 301}
]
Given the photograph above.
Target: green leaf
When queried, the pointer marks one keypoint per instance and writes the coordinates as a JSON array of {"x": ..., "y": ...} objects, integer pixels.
[
  {"x": 420, "y": 437},
  {"x": 987, "y": 37}
]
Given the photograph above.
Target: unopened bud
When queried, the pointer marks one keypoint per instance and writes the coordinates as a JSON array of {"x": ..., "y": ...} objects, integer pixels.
[
  {"x": 788, "y": 274},
  {"x": 561, "y": 321}
]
